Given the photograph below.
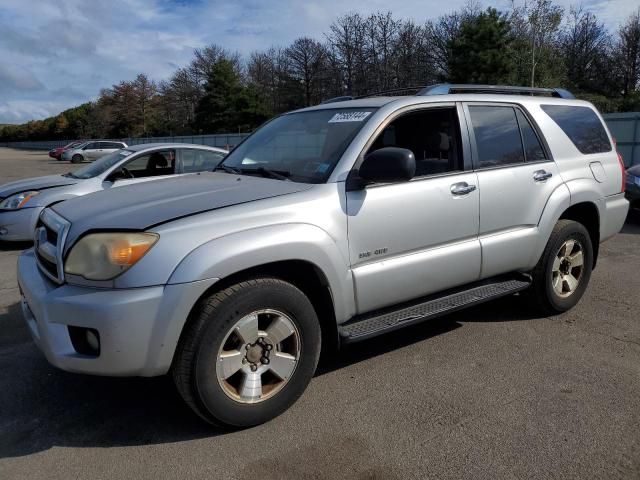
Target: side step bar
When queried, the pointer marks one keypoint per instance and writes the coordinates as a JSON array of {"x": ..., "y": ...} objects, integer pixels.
[{"x": 369, "y": 325}]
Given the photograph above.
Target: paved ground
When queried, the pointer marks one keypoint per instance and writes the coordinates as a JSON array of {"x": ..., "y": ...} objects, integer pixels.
[{"x": 492, "y": 392}]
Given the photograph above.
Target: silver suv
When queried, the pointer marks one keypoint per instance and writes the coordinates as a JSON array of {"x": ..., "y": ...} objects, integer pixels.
[{"x": 328, "y": 225}]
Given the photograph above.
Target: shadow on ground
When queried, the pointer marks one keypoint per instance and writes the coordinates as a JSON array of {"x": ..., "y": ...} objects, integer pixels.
[
  {"x": 14, "y": 246},
  {"x": 632, "y": 225},
  {"x": 42, "y": 407}
]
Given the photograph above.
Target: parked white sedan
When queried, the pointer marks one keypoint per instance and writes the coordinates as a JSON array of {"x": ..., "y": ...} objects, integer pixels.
[{"x": 21, "y": 202}]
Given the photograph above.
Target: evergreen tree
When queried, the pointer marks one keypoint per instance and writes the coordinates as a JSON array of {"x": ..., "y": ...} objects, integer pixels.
[
  {"x": 228, "y": 105},
  {"x": 480, "y": 51}
]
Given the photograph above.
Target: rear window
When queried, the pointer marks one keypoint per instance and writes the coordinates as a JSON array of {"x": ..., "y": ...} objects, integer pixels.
[{"x": 582, "y": 126}]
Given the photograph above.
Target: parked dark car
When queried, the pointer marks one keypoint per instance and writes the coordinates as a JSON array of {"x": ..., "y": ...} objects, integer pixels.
[
  {"x": 633, "y": 186},
  {"x": 58, "y": 151}
]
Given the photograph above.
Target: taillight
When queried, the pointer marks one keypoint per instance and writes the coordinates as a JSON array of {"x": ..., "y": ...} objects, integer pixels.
[{"x": 624, "y": 170}]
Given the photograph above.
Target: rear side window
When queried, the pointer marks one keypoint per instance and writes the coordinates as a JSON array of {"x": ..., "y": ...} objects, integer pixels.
[
  {"x": 200, "y": 160},
  {"x": 497, "y": 136},
  {"x": 582, "y": 126},
  {"x": 533, "y": 150}
]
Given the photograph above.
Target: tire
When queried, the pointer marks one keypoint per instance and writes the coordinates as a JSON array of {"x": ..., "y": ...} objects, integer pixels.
[
  {"x": 77, "y": 158},
  {"x": 221, "y": 325},
  {"x": 553, "y": 291}
]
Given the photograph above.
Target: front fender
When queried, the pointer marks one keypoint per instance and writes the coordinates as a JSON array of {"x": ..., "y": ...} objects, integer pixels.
[{"x": 239, "y": 251}]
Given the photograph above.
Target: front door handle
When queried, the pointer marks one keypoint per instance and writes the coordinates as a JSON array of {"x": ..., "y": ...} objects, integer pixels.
[
  {"x": 462, "y": 188},
  {"x": 542, "y": 175}
]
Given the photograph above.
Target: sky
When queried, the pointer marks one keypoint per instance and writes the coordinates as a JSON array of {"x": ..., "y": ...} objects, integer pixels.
[{"x": 55, "y": 54}]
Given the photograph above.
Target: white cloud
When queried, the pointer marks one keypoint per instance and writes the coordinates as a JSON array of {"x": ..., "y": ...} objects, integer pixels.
[{"x": 59, "y": 54}]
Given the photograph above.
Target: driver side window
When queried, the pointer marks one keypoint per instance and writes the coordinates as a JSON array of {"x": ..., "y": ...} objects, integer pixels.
[
  {"x": 433, "y": 135},
  {"x": 154, "y": 164}
]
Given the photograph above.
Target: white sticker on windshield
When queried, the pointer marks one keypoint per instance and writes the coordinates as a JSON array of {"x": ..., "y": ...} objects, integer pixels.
[{"x": 349, "y": 117}]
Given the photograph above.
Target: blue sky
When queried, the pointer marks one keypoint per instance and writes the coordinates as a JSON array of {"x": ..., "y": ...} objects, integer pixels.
[{"x": 59, "y": 53}]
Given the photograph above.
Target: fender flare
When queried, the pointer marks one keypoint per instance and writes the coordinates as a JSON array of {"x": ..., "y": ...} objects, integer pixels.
[{"x": 233, "y": 253}]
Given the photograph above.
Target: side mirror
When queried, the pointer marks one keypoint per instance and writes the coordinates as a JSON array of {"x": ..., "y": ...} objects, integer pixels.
[{"x": 387, "y": 165}]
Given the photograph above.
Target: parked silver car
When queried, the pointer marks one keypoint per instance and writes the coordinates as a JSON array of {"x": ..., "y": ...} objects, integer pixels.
[
  {"x": 328, "y": 225},
  {"x": 22, "y": 201},
  {"x": 91, "y": 150}
]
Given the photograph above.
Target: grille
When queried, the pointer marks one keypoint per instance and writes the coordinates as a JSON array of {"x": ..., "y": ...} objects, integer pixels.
[{"x": 49, "y": 238}]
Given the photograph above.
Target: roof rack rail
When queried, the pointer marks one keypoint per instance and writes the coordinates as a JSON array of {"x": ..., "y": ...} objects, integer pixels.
[
  {"x": 343, "y": 98},
  {"x": 400, "y": 91},
  {"x": 446, "y": 88}
]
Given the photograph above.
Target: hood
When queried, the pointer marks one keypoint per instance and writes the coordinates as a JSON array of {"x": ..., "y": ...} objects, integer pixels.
[
  {"x": 38, "y": 183},
  {"x": 141, "y": 206},
  {"x": 634, "y": 170}
]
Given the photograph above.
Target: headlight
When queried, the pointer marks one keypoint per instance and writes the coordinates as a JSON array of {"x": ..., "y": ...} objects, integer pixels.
[
  {"x": 17, "y": 201},
  {"x": 103, "y": 256}
]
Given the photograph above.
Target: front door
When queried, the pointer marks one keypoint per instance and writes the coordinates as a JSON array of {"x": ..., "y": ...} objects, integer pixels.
[{"x": 410, "y": 239}]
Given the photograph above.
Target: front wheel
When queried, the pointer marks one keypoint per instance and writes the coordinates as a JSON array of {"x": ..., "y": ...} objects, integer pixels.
[
  {"x": 248, "y": 352},
  {"x": 563, "y": 272},
  {"x": 77, "y": 158}
]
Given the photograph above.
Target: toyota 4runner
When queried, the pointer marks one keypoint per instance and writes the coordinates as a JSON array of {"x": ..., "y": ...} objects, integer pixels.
[{"x": 328, "y": 225}]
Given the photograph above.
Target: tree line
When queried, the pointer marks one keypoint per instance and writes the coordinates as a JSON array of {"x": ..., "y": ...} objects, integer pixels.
[{"x": 536, "y": 44}]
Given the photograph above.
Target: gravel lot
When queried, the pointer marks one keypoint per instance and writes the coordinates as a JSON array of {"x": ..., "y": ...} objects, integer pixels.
[{"x": 491, "y": 392}]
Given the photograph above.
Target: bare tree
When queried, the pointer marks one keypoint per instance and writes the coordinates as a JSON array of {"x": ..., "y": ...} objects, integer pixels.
[
  {"x": 145, "y": 91},
  {"x": 346, "y": 40},
  {"x": 628, "y": 54},
  {"x": 205, "y": 58},
  {"x": 306, "y": 61}
]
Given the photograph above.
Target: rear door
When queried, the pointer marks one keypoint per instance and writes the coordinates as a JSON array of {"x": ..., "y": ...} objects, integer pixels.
[
  {"x": 516, "y": 177},
  {"x": 410, "y": 239}
]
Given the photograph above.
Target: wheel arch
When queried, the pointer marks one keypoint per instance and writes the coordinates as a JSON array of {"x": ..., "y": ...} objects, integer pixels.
[
  {"x": 587, "y": 214},
  {"x": 304, "y": 275}
]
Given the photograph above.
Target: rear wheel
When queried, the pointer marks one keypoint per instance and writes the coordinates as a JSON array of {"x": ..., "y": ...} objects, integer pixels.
[
  {"x": 248, "y": 352},
  {"x": 563, "y": 272},
  {"x": 77, "y": 158}
]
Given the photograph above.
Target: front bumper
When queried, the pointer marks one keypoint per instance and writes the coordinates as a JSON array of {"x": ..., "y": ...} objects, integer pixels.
[
  {"x": 139, "y": 328},
  {"x": 18, "y": 225}
]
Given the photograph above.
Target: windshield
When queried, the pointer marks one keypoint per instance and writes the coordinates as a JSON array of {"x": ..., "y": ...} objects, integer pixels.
[
  {"x": 74, "y": 144},
  {"x": 101, "y": 165},
  {"x": 303, "y": 147}
]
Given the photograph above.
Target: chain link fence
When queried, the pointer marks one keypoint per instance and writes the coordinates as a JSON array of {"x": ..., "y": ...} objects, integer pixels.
[{"x": 227, "y": 141}]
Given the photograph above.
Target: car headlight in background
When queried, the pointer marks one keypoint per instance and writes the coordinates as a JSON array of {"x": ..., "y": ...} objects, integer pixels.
[
  {"x": 104, "y": 256},
  {"x": 17, "y": 201}
]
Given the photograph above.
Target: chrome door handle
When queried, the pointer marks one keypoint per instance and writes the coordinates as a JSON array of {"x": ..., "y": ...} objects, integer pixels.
[
  {"x": 542, "y": 175},
  {"x": 462, "y": 188}
]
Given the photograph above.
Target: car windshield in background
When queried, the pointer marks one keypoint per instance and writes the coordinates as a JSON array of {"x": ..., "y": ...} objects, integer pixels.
[
  {"x": 303, "y": 147},
  {"x": 101, "y": 165}
]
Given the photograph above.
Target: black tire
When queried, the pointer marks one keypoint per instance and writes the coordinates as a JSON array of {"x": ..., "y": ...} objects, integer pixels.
[
  {"x": 205, "y": 332},
  {"x": 77, "y": 158},
  {"x": 543, "y": 293}
]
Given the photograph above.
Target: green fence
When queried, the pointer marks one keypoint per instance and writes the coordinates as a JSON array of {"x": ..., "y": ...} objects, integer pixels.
[{"x": 625, "y": 127}]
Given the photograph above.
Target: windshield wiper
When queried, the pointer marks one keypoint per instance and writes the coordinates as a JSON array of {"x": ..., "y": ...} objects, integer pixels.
[
  {"x": 227, "y": 169},
  {"x": 69, "y": 174},
  {"x": 265, "y": 172}
]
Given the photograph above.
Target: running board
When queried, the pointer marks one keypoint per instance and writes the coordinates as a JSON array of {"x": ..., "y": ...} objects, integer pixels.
[{"x": 366, "y": 326}]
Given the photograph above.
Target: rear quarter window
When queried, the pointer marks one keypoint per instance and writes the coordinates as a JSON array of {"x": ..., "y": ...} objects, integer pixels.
[{"x": 582, "y": 126}]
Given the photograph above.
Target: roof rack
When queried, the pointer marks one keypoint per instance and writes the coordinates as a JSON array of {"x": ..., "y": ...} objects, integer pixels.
[{"x": 447, "y": 88}]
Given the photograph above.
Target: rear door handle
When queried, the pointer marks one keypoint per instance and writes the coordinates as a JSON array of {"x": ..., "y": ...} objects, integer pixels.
[
  {"x": 542, "y": 175},
  {"x": 462, "y": 188}
]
